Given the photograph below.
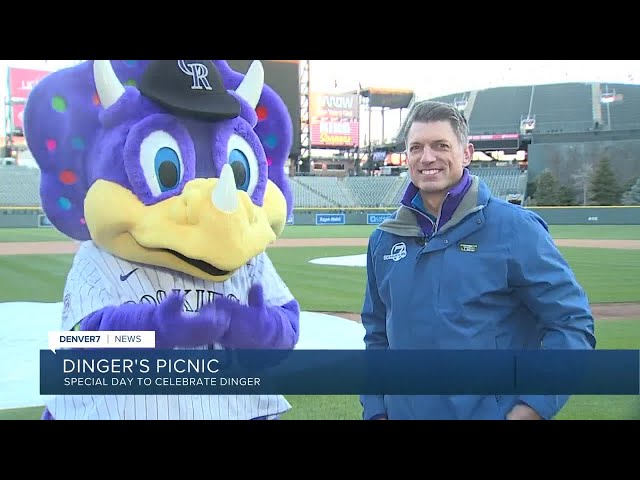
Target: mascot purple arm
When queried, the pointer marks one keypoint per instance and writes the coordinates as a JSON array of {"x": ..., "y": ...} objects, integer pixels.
[{"x": 170, "y": 174}]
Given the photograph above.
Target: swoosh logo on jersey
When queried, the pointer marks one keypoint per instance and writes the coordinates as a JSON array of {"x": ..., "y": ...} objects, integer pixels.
[{"x": 124, "y": 277}]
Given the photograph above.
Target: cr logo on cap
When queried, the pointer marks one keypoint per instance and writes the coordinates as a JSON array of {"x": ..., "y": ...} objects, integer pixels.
[{"x": 198, "y": 72}]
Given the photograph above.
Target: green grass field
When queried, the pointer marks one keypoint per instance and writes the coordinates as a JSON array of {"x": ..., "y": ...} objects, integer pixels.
[
  {"x": 607, "y": 275},
  {"x": 598, "y": 232}
]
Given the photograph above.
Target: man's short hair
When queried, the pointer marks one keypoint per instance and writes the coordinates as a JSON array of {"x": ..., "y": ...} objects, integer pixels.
[{"x": 431, "y": 111}]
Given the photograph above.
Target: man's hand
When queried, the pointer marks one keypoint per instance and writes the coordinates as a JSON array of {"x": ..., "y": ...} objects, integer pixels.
[{"x": 523, "y": 412}]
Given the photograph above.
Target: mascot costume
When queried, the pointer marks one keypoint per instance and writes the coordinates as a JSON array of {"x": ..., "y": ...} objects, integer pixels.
[{"x": 170, "y": 174}]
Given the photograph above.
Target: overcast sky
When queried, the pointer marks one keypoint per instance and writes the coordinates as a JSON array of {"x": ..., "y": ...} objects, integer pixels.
[
  {"x": 432, "y": 78},
  {"x": 427, "y": 78}
]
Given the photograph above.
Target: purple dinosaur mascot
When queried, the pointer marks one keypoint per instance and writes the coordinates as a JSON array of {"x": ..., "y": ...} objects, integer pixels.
[{"x": 170, "y": 174}]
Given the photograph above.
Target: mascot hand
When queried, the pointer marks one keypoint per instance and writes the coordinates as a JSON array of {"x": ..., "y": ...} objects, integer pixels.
[
  {"x": 257, "y": 326},
  {"x": 187, "y": 329},
  {"x": 173, "y": 326}
]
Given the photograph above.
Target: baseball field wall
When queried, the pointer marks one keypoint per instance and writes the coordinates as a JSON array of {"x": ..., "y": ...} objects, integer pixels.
[
  {"x": 25, "y": 217},
  {"x": 623, "y": 215}
]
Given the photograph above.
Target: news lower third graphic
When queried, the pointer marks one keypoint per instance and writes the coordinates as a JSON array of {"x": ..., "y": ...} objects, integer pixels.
[
  {"x": 127, "y": 363},
  {"x": 113, "y": 339}
]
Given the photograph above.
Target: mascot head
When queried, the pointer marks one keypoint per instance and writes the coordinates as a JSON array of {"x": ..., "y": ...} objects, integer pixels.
[{"x": 172, "y": 163}]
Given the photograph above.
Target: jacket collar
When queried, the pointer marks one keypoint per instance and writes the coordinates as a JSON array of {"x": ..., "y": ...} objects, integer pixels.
[
  {"x": 406, "y": 220},
  {"x": 448, "y": 208}
]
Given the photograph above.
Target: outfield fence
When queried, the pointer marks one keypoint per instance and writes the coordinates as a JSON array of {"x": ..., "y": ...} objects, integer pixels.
[
  {"x": 591, "y": 215},
  {"x": 34, "y": 217}
]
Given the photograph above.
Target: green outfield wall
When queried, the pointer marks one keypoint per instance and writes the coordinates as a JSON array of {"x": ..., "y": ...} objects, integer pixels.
[
  {"x": 25, "y": 217},
  {"x": 622, "y": 215},
  {"x": 22, "y": 217}
]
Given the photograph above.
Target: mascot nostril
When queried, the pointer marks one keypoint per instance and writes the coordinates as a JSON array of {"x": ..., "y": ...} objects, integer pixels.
[{"x": 174, "y": 203}]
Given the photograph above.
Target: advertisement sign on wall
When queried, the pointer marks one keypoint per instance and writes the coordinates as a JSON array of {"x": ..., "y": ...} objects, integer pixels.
[
  {"x": 377, "y": 218},
  {"x": 21, "y": 82},
  {"x": 334, "y": 119},
  {"x": 330, "y": 219}
]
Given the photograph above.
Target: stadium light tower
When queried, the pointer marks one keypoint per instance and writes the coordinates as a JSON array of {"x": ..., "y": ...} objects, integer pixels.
[
  {"x": 305, "y": 132},
  {"x": 607, "y": 98}
]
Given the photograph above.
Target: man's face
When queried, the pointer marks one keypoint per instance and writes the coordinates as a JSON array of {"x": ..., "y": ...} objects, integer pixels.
[{"x": 435, "y": 157}]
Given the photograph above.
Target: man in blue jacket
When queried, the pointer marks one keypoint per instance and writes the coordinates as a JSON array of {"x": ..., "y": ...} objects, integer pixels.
[{"x": 457, "y": 268}]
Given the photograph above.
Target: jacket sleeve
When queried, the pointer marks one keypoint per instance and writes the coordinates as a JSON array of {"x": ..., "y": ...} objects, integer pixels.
[
  {"x": 374, "y": 323},
  {"x": 544, "y": 281}
]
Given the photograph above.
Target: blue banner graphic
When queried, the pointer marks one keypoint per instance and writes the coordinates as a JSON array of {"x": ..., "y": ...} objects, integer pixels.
[
  {"x": 330, "y": 219},
  {"x": 377, "y": 218},
  {"x": 339, "y": 372},
  {"x": 43, "y": 221}
]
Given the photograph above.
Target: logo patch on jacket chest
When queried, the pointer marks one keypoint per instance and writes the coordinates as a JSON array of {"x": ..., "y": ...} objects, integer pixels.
[
  {"x": 468, "y": 247},
  {"x": 398, "y": 252}
]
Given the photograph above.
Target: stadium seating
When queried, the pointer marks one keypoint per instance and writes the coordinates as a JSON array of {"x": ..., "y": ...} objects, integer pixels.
[
  {"x": 563, "y": 107},
  {"x": 503, "y": 181},
  {"x": 325, "y": 192},
  {"x": 19, "y": 186},
  {"x": 387, "y": 191},
  {"x": 624, "y": 113},
  {"x": 499, "y": 110},
  {"x": 557, "y": 108},
  {"x": 305, "y": 197},
  {"x": 374, "y": 191}
]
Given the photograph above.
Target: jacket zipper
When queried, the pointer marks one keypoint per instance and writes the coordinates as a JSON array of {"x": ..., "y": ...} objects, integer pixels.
[
  {"x": 434, "y": 225},
  {"x": 424, "y": 238}
]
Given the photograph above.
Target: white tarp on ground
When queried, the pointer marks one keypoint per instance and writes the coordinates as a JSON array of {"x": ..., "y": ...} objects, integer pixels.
[
  {"x": 345, "y": 261},
  {"x": 24, "y": 328}
]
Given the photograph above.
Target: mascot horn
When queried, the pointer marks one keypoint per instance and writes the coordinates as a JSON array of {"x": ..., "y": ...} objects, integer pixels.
[{"x": 171, "y": 175}]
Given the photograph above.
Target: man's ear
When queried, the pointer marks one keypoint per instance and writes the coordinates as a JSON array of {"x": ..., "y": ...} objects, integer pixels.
[{"x": 468, "y": 154}]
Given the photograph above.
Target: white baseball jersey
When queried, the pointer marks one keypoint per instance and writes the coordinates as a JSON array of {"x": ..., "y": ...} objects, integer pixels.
[{"x": 98, "y": 279}]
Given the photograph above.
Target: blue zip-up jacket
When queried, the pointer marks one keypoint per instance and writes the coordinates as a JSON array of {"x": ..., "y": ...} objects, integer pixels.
[{"x": 486, "y": 276}]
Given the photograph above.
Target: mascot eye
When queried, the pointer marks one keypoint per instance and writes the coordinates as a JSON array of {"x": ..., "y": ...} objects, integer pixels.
[
  {"x": 168, "y": 169},
  {"x": 161, "y": 162},
  {"x": 241, "y": 170},
  {"x": 244, "y": 163}
]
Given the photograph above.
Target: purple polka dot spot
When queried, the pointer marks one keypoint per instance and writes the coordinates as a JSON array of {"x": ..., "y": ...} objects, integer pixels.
[
  {"x": 77, "y": 143},
  {"x": 269, "y": 161},
  {"x": 83, "y": 221},
  {"x": 64, "y": 203},
  {"x": 59, "y": 104},
  {"x": 51, "y": 145},
  {"x": 271, "y": 141}
]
